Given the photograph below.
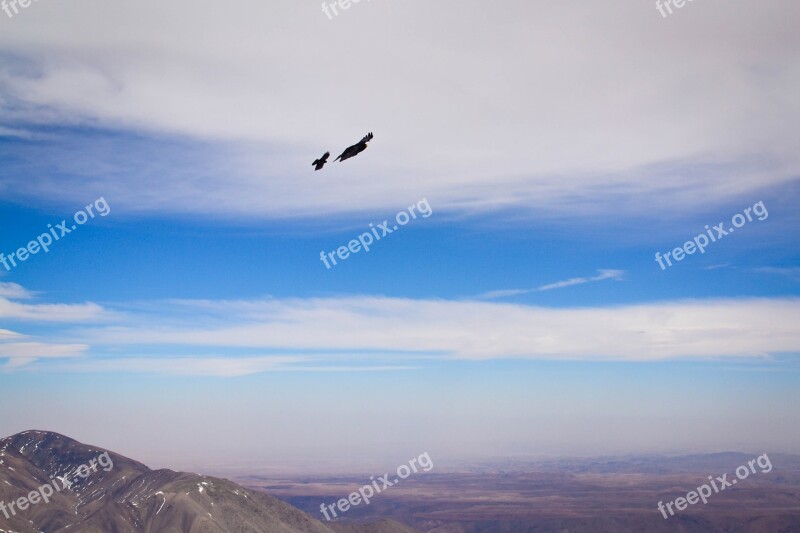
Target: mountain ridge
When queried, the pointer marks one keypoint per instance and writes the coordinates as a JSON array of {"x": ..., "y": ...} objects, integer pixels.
[{"x": 128, "y": 496}]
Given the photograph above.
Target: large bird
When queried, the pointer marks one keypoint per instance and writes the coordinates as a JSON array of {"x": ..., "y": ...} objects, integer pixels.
[
  {"x": 356, "y": 149},
  {"x": 319, "y": 163}
]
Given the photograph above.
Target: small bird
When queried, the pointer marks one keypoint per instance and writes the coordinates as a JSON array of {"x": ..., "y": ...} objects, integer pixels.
[
  {"x": 319, "y": 163},
  {"x": 356, "y": 149}
]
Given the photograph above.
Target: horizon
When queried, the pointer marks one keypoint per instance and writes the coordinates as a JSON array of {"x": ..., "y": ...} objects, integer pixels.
[{"x": 544, "y": 463}]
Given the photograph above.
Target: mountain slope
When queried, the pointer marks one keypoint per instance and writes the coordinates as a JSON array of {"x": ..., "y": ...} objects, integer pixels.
[{"x": 129, "y": 497}]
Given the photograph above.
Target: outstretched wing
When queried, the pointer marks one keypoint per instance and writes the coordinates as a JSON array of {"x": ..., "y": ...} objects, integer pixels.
[{"x": 367, "y": 138}]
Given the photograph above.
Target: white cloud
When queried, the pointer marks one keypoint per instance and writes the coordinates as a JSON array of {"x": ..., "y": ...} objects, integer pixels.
[
  {"x": 11, "y": 132},
  {"x": 198, "y": 366},
  {"x": 719, "y": 266},
  {"x": 474, "y": 329},
  {"x": 217, "y": 366},
  {"x": 604, "y": 274},
  {"x": 551, "y": 107},
  {"x": 379, "y": 333},
  {"x": 44, "y": 312},
  {"x": 51, "y": 312},
  {"x": 24, "y": 353},
  {"x": 21, "y": 353},
  {"x": 14, "y": 291},
  {"x": 6, "y": 334}
]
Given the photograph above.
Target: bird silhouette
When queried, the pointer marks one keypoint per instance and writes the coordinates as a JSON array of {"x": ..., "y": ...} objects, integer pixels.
[
  {"x": 356, "y": 149},
  {"x": 319, "y": 163}
]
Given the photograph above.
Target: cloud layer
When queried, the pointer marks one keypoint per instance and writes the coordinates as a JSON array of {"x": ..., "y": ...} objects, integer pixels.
[
  {"x": 380, "y": 333},
  {"x": 551, "y": 107}
]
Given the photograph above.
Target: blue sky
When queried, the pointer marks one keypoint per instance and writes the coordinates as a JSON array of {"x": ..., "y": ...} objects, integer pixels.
[{"x": 526, "y": 316}]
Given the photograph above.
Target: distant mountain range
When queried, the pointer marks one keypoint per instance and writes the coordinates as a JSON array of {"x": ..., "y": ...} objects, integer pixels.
[{"x": 130, "y": 497}]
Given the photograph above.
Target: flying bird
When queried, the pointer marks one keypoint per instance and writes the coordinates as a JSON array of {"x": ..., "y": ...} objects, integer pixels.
[
  {"x": 319, "y": 163},
  {"x": 356, "y": 149}
]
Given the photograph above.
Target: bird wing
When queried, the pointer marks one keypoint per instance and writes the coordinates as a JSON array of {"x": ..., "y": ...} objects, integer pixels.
[{"x": 367, "y": 138}]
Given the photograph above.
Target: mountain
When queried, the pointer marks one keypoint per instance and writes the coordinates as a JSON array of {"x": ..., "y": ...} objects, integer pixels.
[{"x": 91, "y": 490}]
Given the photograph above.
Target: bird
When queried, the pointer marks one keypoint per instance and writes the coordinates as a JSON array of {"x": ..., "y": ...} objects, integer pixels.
[
  {"x": 356, "y": 149},
  {"x": 319, "y": 163}
]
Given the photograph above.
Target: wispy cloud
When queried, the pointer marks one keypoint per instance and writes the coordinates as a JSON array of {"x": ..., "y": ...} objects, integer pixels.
[
  {"x": 14, "y": 291},
  {"x": 371, "y": 333},
  {"x": 199, "y": 366},
  {"x": 604, "y": 274},
  {"x": 225, "y": 367},
  {"x": 718, "y": 267},
  {"x": 471, "y": 329},
  {"x": 11, "y": 132},
  {"x": 24, "y": 353},
  {"x": 6, "y": 334},
  {"x": 749, "y": 130},
  {"x": 20, "y": 349},
  {"x": 10, "y": 309}
]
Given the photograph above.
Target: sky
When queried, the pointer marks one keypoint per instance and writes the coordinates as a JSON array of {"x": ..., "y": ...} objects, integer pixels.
[{"x": 545, "y": 156}]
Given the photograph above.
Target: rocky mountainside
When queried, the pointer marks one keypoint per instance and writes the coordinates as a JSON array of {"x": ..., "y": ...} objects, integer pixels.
[{"x": 44, "y": 487}]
